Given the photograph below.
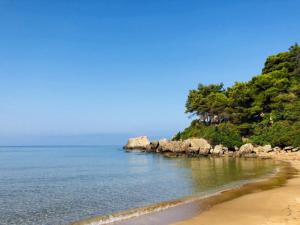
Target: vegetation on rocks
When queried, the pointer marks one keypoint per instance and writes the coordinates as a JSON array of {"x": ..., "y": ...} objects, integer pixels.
[
  {"x": 264, "y": 110},
  {"x": 226, "y": 134}
]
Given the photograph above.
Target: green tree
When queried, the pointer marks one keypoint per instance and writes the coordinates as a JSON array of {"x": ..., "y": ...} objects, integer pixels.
[{"x": 265, "y": 109}]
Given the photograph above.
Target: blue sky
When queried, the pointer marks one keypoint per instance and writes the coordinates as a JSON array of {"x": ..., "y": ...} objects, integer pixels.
[{"x": 119, "y": 68}]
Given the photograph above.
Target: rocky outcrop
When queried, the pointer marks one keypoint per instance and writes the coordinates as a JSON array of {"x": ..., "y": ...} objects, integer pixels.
[
  {"x": 218, "y": 150},
  {"x": 281, "y": 153},
  {"x": 246, "y": 149},
  {"x": 152, "y": 146},
  {"x": 201, "y": 147},
  {"x": 190, "y": 146},
  {"x": 288, "y": 148},
  {"x": 265, "y": 148},
  {"x": 198, "y": 145},
  {"x": 172, "y": 146},
  {"x": 137, "y": 143}
]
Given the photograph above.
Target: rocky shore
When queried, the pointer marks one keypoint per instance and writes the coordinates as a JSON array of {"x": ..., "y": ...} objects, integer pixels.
[{"x": 195, "y": 147}]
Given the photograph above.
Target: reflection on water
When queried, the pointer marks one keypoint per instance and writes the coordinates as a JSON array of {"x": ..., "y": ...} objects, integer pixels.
[
  {"x": 57, "y": 185},
  {"x": 207, "y": 173}
]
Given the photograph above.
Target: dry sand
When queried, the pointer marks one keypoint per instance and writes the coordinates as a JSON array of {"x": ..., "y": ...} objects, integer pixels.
[{"x": 279, "y": 206}]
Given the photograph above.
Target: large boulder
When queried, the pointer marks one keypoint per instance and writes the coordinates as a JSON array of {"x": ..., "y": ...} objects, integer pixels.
[
  {"x": 267, "y": 148},
  {"x": 152, "y": 146},
  {"x": 172, "y": 146},
  {"x": 263, "y": 149},
  {"x": 246, "y": 149},
  {"x": 288, "y": 148},
  {"x": 137, "y": 143},
  {"x": 198, "y": 145},
  {"x": 217, "y": 150},
  {"x": 258, "y": 149},
  {"x": 162, "y": 144}
]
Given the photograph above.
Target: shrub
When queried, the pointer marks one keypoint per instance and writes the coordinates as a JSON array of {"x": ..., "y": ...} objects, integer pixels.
[
  {"x": 281, "y": 133},
  {"x": 225, "y": 133}
]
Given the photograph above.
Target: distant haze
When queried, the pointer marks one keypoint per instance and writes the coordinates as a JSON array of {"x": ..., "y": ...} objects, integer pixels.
[{"x": 87, "y": 139}]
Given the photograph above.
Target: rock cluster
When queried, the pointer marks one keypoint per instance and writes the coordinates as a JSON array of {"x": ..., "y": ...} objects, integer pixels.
[
  {"x": 201, "y": 147},
  {"x": 193, "y": 146}
]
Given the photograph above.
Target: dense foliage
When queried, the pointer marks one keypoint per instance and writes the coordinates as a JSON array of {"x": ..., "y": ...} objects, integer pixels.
[{"x": 264, "y": 110}]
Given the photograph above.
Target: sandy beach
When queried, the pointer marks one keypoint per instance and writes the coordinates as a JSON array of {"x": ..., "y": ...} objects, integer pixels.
[{"x": 279, "y": 206}]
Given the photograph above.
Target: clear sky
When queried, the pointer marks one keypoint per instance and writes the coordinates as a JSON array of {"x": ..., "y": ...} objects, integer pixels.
[{"x": 93, "y": 72}]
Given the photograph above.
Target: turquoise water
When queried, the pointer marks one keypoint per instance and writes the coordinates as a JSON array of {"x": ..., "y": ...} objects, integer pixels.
[{"x": 57, "y": 185}]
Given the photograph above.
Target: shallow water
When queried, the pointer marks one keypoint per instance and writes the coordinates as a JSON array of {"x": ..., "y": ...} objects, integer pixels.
[{"x": 57, "y": 185}]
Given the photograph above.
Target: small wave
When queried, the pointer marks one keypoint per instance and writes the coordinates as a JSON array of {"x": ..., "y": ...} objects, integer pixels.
[
  {"x": 132, "y": 213},
  {"x": 107, "y": 219}
]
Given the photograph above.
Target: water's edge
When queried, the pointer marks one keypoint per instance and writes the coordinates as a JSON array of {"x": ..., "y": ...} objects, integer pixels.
[{"x": 283, "y": 172}]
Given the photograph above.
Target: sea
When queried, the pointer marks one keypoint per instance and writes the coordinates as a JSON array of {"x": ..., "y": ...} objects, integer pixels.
[{"x": 58, "y": 185}]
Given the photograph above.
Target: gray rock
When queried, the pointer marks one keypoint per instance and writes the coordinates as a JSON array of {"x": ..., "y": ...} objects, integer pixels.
[
  {"x": 137, "y": 143},
  {"x": 267, "y": 148},
  {"x": 264, "y": 149},
  {"x": 288, "y": 148},
  {"x": 148, "y": 148},
  {"x": 277, "y": 149},
  {"x": 225, "y": 149},
  {"x": 153, "y": 145},
  {"x": 217, "y": 150},
  {"x": 246, "y": 149},
  {"x": 172, "y": 146},
  {"x": 198, "y": 145},
  {"x": 295, "y": 149},
  {"x": 259, "y": 149},
  {"x": 161, "y": 143}
]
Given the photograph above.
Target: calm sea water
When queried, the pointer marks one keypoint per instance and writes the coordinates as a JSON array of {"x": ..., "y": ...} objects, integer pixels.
[{"x": 57, "y": 185}]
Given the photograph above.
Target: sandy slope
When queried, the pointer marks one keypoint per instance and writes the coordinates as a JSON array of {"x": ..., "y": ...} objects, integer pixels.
[{"x": 279, "y": 206}]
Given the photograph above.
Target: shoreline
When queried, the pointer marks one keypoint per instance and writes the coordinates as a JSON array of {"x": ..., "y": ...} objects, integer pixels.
[
  {"x": 277, "y": 206},
  {"x": 189, "y": 207}
]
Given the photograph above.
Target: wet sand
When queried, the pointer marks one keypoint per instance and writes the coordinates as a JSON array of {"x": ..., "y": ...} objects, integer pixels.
[{"x": 279, "y": 206}]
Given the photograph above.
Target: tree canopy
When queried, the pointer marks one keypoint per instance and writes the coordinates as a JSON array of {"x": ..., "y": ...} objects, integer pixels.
[{"x": 262, "y": 110}]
